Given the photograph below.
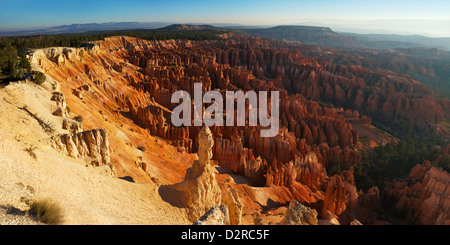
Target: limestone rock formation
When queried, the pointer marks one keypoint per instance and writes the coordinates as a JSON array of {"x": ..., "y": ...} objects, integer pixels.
[
  {"x": 61, "y": 106},
  {"x": 427, "y": 199},
  {"x": 59, "y": 99},
  {"x": 233, "y": 202},
  {"x": 298, "y": 214},
  {"x": 199, "y": 190},
  {"x": 72, "y": 125},
  {"x": 91, "y": 146},
  {"x": 340, "y": 194},
  {"x": 215, "y": 216}
]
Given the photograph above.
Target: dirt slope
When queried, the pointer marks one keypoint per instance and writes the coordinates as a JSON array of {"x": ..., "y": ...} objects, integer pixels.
[{"x": 86, "y": 196}]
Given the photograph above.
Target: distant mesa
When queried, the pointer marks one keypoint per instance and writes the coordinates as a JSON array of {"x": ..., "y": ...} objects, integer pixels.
[
  {"x": 110, "y": 26},
  {"x": 189, "y": 27}
]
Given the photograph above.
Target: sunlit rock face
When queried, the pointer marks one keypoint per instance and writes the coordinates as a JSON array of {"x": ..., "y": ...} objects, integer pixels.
[{"x": 199, "y": 191}]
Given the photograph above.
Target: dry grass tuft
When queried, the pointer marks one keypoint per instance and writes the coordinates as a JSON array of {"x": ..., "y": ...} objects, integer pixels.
[{"x": 46, "y": 211}]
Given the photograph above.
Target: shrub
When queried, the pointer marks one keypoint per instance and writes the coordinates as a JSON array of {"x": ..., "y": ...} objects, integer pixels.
[
  {"x": 39, "y": 77},
  {"x": 46, "y": 211},
  {"x": 24, "y": 63}
]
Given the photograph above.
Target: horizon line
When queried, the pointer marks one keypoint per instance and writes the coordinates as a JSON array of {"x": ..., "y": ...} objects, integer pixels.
[{"x": 226, "y": 24}]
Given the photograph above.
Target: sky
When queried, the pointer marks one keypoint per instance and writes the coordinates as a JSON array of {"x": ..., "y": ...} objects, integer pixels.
[{"x": 425, "y": 17}]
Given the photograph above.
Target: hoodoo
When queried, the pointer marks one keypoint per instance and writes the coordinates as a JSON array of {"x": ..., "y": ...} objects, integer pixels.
[
  {"x": 199, "y": 190},
  {"x": 214, "y": 114}
]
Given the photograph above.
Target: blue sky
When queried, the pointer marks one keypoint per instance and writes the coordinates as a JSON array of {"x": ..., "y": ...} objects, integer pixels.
[{"x": 431, "y": 17}]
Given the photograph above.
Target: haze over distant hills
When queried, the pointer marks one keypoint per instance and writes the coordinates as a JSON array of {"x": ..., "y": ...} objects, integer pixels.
[
  {"x": 412, "y": 40},
  {"x": 109, "y": 26},
  {"x": 323, "y": 36},
  {"x": 80, "y": 28}
]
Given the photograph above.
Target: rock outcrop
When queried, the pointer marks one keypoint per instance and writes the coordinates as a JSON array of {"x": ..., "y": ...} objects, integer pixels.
[
  {"x": 215, "y": 216},
  {"x": 340, "y": 194},
  {"x": 199, "y": 190},
  {"x": 90, "y": 146},
  {"x": 72, "y": 125},
  {"x": 426, "y": 200},
  {"x": 233, "y": 202},
  {"x": 298, "y": 214}
]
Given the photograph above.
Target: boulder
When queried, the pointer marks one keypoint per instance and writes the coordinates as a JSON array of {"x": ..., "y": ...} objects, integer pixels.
[
  {"x": 215, "y": 216},
  {"x": 298, "y": 214}
]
